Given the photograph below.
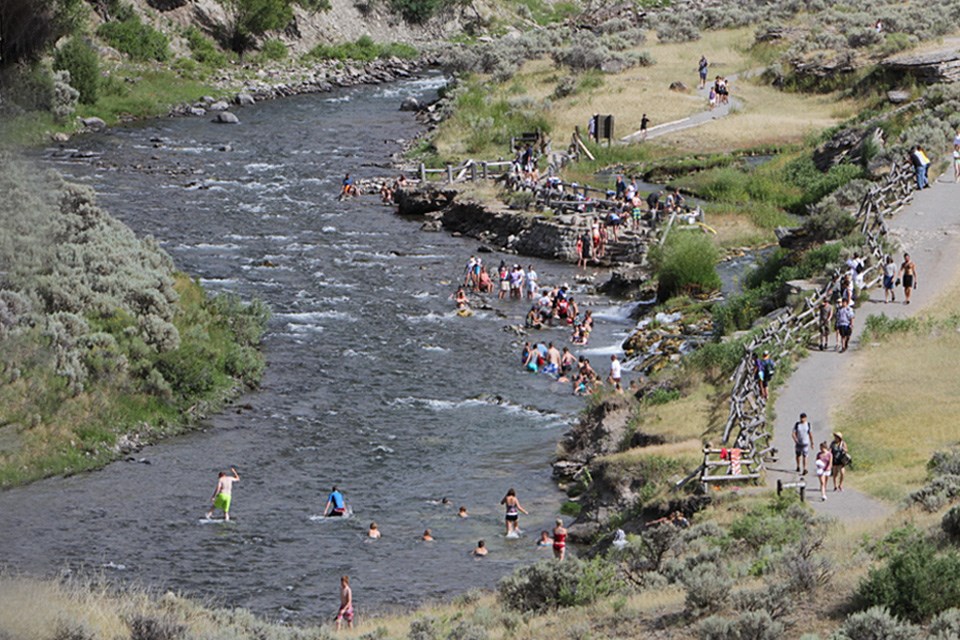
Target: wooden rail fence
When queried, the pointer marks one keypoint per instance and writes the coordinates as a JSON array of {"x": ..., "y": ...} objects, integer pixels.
[{"x": 788, "y": 329}]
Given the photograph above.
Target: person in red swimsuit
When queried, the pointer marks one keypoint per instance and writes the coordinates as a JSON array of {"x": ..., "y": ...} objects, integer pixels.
[{"x": 559, "y": 540}]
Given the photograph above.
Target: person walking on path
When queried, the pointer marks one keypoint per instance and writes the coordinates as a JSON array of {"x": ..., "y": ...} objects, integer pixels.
[
  {"x": 841, "y": 458},
  {"x": 702, "y": 68},
  {"x": 345, "y": 612},
  {"x": 823, "y": 323},
  {"x": 889, "y": 277},
  {"x": 845, "y": 316},
  {"x": 222, "y": 494},
  {"x": 765, "y": 368},
  {"x": 802, "y": 440},
  {"x": 644, "y": 123},
  {"x": 513, "y": 511},
  {"x": 908, "y": 275},
  {"x": 824, "y": 469}
]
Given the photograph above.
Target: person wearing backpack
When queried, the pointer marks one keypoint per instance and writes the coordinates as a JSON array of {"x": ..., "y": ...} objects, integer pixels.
[
  {"x": 802, "y": 441},
  {"x": 765, "y": 368}
]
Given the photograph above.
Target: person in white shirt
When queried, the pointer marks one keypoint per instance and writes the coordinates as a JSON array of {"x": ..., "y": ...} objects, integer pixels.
[{"x": 615, "y": 370}]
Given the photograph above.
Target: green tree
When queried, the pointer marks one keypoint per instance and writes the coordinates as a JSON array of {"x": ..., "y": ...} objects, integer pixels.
[
  {"x": 80, "y": 58},
  {"x": 29, "y": 27}
]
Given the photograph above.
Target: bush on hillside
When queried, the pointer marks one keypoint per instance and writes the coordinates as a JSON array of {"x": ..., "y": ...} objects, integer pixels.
[
  {"x": 79, "y": 58},
  {"x": 946, "y": 625},
  {"x": 708, "y": 588},
  {"x": 138, "y": 40},
  {"x": 552, "y": 585},
  {"x": 29, "y": 86},
  {"x": 203, "y": 49},
  {"x": 916, "y": 582},
  {"x": 686, "y": 264},
  {"x": 65, "y": 97},
  {"x": 751, "y": 625},
  {"x": 951, "y": 523},
  {"x": 364, "y": 49},
  {"x": 273, "y": 49},
  {"x": 876, "y": 623}
]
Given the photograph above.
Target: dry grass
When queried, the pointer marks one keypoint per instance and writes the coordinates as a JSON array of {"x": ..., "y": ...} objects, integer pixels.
[
  {"x": 684, "y": 419},
  {"x": 905, "y": 405},
  {"x": 768, "y": 117}
]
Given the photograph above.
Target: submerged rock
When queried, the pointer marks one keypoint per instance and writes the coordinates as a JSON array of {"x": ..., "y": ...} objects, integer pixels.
[
  {"x": 410, "y": 104},
  {"x": 225, "y": 117}
]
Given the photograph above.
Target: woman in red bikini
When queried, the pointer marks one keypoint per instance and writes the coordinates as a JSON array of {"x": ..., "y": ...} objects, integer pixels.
[{"x": 559, "y": 540}]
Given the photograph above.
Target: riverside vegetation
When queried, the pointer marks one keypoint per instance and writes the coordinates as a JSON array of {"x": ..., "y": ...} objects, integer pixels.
[
  {"x": 751, "y": 566},
  {"x": 106, "y": 346}
]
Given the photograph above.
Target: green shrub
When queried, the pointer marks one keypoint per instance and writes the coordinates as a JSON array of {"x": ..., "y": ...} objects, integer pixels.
[
  {"x": 774, "y": 525},
  {"x": 273, "y": 49},
  {"x": 708, "y": 588},
  {"x": 419, "y": 11},
  {"x": 551, "y": 585},
  {"x": 751, "y": 625},
  {"x": 364, "y": 49},
  {"x": 30, "y": 87},
  {"x": 79, "y": 58},
  {"x": 203, "y": 49},
  {"x": 719, "y": 359},
  {"x": 138, "y": 40},
  {"x": 191, "y": 370},
  {"x": 916, "y": 582},
  {"x": 951, "y": 523},
  {"x": 946, "y": 625},
  {"x": 876, "y": 623},
  {"x": 686, "y": 264}
]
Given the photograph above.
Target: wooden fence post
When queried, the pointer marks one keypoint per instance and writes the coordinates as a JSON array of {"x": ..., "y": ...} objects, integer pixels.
[
  {"x": 473, "y": 171},
  {"x": 423, "y": 172},
  {"x": 483, "y": 167},
  {"x": 449, "y": 174}
]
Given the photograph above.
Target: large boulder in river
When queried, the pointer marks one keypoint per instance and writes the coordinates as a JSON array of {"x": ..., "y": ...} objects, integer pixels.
[
  {"x": 94, "y": 123},
  {"x": 225, "y": 117},
  {"x": 410, "y": 104},
  {"x": 219, "y": 105},
  {"x": 244, "y": 100}
]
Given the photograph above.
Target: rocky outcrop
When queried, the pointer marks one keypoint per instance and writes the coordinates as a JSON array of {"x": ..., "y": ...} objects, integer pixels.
[
  {"x": 932, "y": 67},
  {"x": 514, "y": 230}
]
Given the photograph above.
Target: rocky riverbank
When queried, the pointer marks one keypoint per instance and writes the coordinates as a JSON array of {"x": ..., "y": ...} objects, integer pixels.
[{"x": 501, "y": 228}]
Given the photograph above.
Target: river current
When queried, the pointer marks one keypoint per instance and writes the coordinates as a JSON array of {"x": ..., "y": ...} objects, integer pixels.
[{"x": 373, "y": 383}]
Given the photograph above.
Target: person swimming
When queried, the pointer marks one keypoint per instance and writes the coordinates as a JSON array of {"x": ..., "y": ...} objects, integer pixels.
[
  {"x": 374, "y": 531},
  {"x": 427, "y": 536},
  {"x": 462, "y": 513},
  {"x": 481, "y": 549},
  {"x": 545, "y": 540}
]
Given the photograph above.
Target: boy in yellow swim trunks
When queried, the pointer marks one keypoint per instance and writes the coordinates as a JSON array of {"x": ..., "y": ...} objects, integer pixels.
[{"x": 222, "y": 494}]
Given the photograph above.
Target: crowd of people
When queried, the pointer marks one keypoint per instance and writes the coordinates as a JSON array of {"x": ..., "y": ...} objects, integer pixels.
[{"x": 830, "y": 461}]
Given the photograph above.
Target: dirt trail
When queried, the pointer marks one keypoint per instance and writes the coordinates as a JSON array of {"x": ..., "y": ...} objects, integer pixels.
[
  {"x": 694, "y": 120},
  {"x": 929, "y": 229}
]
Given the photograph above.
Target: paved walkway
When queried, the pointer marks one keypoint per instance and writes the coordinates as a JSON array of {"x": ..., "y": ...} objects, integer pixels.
[
  {"x": 695, "y": 120},
  {"x": 928, "y": 229}
]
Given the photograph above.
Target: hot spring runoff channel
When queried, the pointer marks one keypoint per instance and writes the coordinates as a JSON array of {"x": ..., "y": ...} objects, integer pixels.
[{"x": 373, "y": 383}]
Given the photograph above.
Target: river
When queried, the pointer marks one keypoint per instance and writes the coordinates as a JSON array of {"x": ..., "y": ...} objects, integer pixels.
[{"x": 373, "y": 383}]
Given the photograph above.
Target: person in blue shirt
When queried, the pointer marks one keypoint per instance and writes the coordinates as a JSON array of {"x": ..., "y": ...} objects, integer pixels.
[{"x": 336, "y": 505}]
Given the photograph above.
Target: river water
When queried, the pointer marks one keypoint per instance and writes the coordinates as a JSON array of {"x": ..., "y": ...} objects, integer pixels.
[{"x": 373, "y": 383}]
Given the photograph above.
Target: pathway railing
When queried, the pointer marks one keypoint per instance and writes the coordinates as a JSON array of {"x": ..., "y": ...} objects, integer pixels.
[{"x": 790, "y": 328}]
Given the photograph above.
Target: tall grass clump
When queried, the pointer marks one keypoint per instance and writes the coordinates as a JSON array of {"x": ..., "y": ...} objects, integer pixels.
[
  {"x": 203, "y": 49},
  {"x": 687, "y": 263}
]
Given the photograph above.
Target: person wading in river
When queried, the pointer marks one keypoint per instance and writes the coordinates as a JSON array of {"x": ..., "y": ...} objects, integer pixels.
[
  {"x": 512, "y": 517},
  {"x": 222, "y": 494},
  {"x": 345, "y": 612},
  {"x": 336, "y": 505}
]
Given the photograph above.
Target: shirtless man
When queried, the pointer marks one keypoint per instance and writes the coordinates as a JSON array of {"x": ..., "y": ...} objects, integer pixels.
[
  {"x": 222, "y": 494},
  {"x": 567, "y": 361},
  {"x": 345, "y": 612},
  {"x": 553, "y": 361},
  {"x": 481, "y": 549},
  {"x": 374, "y": 531},
  {"x": 908, "y": 275}
]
